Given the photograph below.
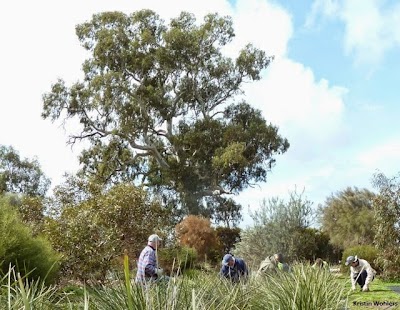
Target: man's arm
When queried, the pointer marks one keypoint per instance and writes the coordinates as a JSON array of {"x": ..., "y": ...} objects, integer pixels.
[
  {"x": 225, "y": 272},
  {"x": 353, "y": 281},
  {"x": 370, "y": 272}
]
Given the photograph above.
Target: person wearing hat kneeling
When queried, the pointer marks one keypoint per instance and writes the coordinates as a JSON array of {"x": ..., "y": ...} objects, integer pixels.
[
  {"x": 361, "y": 272},
  {"x": 147, "y": 265},
  {"x": 273, "y": 264},
  {"x": 234, "y": 268}
]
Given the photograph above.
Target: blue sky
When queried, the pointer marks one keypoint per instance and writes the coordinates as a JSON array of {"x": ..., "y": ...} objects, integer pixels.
[{"x": 332, "y": 88}]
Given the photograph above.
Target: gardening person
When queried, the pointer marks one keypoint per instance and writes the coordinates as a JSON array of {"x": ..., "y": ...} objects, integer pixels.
[
  {"x": 147, "y": 266},
  {"x": 234, "y": 268},
  {"x": 361, "y": 272},
  {"x": 320, "y": 264},
  {"x": 273, "y": 264}
]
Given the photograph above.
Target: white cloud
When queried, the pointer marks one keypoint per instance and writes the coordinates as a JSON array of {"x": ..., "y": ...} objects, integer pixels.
[
  {"x": 383, "y": 157},
  {"x": 263, "y": 23},
  {"x": 290, "y": 95},
  {"x": 308, "y": 112},
  {"x": 371, "y": 27}
]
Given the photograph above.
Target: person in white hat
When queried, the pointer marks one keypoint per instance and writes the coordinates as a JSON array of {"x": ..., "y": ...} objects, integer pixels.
[
  {"x": 361, "y": 272},
  {"x": 147, "y": 266}
]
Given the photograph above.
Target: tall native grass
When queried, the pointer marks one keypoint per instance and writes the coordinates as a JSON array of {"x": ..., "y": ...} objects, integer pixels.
[
  {"x": 19, "y": 292},
  {"x": 303, "y": 288}
]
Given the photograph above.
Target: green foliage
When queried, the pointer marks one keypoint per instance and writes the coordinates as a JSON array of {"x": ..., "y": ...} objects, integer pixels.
[
  {"x": 30, "y": 209},
  {"x": 278, "y": 228},
  {"x": 156, "y": 106},
  {"x": 348, "y": 217},
  {"x": 228, "y": 237},
  {"x": 316, "y": 243},
  {"x": 177, "y": 259},
  {"x": 31, "y": 256},
  {"x": 387, "y": 225},
  {"x": 323, "y": 247},
  {"x": 224, "y": 210},
  {"x": 367, "y": 252},
  {"x": 94, "y": 233},
  {"x": 22, "y": 176}
]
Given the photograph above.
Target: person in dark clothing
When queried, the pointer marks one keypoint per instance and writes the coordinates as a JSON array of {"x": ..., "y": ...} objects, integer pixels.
[{"x": 234, "y": 268}]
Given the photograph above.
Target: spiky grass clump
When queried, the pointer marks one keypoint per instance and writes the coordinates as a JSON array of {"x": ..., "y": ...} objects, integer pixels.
[
  {"x": 19, "y": 292},
  {"x": 304, "y": 288}
]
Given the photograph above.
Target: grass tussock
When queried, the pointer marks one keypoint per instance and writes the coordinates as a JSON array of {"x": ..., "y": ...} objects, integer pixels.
[{"x": 302, "y": 288}]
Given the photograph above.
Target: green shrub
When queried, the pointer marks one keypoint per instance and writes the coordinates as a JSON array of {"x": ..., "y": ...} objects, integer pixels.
[
  {"x": 31, "y": 256},
  {"x": 367, "y": 252},
  {"x": 93, "y": 233},
  {"x": 228, "y": 237},
  {"x": 177, "y": 259}
]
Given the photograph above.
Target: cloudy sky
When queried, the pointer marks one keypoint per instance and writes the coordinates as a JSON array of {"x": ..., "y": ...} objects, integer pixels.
[{"x": 331, "y": 89}]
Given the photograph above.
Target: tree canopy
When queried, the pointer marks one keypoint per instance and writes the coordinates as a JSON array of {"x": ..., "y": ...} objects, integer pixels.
[
  {"x": 92, "y": 230},
  {"x": 348, "y": 217},
  {"x": 157, "y": 105},
  {"x": 387, "y": 225},
  {"x": 22, "y": 176}
]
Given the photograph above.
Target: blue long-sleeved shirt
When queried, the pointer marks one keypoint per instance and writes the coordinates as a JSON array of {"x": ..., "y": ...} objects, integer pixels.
[{"x": 235, "y": 273}]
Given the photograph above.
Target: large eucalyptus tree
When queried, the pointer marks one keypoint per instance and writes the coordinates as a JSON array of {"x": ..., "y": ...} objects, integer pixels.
[{"x": 157, "y": 104}]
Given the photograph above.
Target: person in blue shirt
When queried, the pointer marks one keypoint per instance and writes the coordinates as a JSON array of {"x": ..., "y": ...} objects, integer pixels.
[{"x": 234, "y": 268}]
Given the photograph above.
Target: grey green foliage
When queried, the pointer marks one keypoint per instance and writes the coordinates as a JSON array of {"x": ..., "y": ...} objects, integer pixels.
[
  {"x": 348, "y": 217},
  {"x": 157, "y": 105},
  {"x": 279, "y": 227}
]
